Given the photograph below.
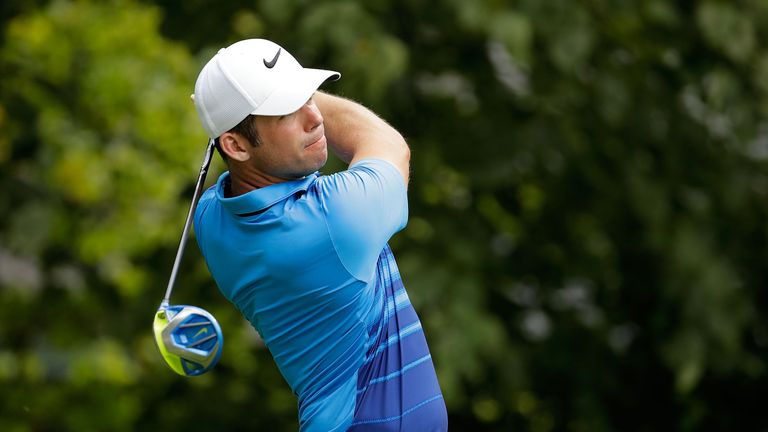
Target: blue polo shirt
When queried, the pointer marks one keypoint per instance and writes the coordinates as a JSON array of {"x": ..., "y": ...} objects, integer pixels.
[{"x": 307, "y": 263}]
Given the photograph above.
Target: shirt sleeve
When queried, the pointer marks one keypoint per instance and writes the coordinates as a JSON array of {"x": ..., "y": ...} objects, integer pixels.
[{"x": 364, "y": 207}]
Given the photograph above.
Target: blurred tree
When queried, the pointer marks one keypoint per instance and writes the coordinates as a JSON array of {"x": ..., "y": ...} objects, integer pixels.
[{"x": 99, "y": 149}]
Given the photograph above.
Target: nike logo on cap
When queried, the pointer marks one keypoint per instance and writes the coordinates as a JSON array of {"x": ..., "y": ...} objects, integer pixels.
[{"x": 271, "y": 64}]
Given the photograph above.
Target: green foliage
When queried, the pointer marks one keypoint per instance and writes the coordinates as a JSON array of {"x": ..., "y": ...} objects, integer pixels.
[
  {"x": 109, "y": 135},
  {"x": 588, "y": 203}
]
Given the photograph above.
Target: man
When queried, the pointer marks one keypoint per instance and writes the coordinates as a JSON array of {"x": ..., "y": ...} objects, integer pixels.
[{"x": 304, "y": 257}]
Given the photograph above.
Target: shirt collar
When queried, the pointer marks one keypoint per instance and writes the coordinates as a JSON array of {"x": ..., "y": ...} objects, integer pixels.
[{"x": 262, "y": 198}]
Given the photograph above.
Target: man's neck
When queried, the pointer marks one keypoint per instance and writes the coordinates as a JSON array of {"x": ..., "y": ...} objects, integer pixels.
[
  {"x": 246, "y": 179},
  {"x": 239, "y": 184}
]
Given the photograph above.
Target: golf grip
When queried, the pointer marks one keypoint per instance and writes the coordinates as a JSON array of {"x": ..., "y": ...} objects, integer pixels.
[{"x": 188, "y": 222}]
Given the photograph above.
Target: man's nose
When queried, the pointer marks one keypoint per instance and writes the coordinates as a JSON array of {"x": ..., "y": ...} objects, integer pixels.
[{"x": 312, "y": 117}]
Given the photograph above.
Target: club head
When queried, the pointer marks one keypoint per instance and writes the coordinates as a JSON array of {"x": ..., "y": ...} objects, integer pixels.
[{"x": 189, "y": 338}]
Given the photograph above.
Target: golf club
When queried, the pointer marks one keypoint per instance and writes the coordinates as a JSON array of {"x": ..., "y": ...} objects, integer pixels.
[{"x": 189, "y": 338}]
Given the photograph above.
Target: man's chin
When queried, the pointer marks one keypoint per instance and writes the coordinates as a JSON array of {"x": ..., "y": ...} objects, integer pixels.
[
  {"x": 311, "y": 169},
  {"x": 320, "y": 163}
]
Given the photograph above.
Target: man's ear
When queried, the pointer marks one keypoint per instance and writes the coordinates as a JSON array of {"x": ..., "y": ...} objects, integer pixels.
[{"x": 234, "y": 146}]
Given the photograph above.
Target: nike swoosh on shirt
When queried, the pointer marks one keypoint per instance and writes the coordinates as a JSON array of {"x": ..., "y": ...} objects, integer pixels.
[{"x": 271, "y": 64}]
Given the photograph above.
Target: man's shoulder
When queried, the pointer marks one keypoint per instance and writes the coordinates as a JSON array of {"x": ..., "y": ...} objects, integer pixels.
[
  {"x": 366, "y": 178},
  {"x": 362, "y": 207},
  {"x": 372, "y": 166},
  {"x": 206, "y": 200}
]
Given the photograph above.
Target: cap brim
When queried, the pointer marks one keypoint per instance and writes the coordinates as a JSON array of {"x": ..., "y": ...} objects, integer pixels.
[{"x": 295, "y": 92}]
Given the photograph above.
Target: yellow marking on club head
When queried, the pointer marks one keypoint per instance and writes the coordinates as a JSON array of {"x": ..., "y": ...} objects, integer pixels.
[{"x": 201, "y": 331}]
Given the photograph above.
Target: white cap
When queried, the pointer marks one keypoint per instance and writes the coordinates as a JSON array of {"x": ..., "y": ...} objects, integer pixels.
[{"x": 253, "y": 76}]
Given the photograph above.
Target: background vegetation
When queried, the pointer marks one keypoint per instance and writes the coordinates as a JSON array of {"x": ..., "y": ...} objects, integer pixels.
[{"x": 587, "y": 242}]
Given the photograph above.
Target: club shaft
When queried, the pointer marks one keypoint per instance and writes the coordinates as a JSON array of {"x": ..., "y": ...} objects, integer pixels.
[
  {"x": 196, "y": 343},
  {"x": 188, "y": 222}
]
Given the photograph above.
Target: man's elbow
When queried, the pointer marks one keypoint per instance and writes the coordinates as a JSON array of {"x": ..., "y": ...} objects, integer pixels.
[
  {"x": 405, "y": 150},
  {"x": 404, "y": 158},
  {"x": 400, "y": 146}
]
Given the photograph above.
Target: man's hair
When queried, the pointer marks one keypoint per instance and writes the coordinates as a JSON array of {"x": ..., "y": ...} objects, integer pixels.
[{"x": 247, "y": 129}]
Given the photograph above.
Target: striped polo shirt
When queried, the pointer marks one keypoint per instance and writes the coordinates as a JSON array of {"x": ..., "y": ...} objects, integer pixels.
[{"x": 307, "y": 263}]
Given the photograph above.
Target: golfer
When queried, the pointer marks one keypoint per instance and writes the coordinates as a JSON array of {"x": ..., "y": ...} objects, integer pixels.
[{"x": 304, "y": 256}]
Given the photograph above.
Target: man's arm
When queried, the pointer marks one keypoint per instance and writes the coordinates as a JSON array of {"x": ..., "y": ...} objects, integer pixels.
[{"x": 355, "y": 133}]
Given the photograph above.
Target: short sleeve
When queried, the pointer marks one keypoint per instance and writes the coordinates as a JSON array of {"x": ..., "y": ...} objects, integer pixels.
[
  {"x": 205, "y": 201},
  {"x": 364, "y": 207}
]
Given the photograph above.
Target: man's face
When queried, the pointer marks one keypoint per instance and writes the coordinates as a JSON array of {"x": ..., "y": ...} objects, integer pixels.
[{"x": 293, "y": 145}]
